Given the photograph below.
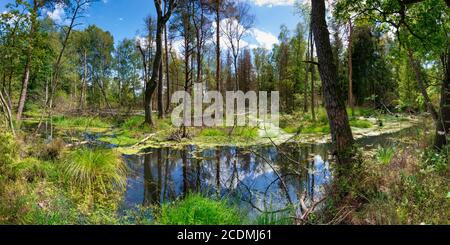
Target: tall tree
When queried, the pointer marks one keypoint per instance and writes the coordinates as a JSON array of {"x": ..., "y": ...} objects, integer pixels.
[
  {"x": 350, "y": 64},
  {"x": 36, "y": 5},
  {"x": 152, "y": 84},
  {"x": 237, "y": 24},
  {"x": 341, "y": 133}
]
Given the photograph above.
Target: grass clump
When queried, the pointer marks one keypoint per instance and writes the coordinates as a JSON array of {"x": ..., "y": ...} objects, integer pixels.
[
  {"x": 213, "y": 132},
  {"x": 95, "y": 170},
  {"x": 384, "y": 155},
  {"x": 316, "y": 128},
  {"x": 246, "y": 132},
  {"x": 198, "y": 210}
]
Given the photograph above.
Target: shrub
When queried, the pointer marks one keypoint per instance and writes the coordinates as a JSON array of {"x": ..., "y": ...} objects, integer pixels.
[
  {"x": 95, "y": 169},
  {"x": 54, "y": 149},
  {"x": 198, "y": 210},
  {"x": 434, "y": 160},
  {"x": 8, "y": 151},
  {"x": 31, "y": 169}
]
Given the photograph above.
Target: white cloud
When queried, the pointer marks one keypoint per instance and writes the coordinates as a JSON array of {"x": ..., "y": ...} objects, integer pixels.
[
  {"x": 265, "y": 39},
  {"x": 270, "y": 3},
  {"x": 57, "y": 14}
]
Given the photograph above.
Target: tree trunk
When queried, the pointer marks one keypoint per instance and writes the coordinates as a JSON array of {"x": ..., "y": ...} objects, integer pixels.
[
  {"x": 307, "y": 67},
  {"x": 7, "y": 112},
  {"x": 23, "y": 93},
  {"x": 443, "y": 124},
  {"x": 218, "y": 58},
  {"x": 313, "y": 71},
  {"x": 26, "y": 72},
  {"x": 341, "y": 133},
  {"x": 350, "y": 66},
  {"x": 417, "y": 71},
  {"x": 152, "y": 84},
  {"x": 167, "y": 69},
  {"x": 160, "y": 92}
]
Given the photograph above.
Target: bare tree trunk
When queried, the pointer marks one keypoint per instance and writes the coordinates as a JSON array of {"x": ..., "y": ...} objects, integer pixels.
[
  {"x": 7, "y": 112},
  {"x": 341, "y": 133},
  {"x": 350, "y": 65},
  {"x": 313, "y": 71},
  {"x": 24, "y": 90},
  {"x": 443, "y": 123},
  {"x": 307, "y": 67},
  {"x": 417, "y": 71},
  {"x": 218, "y": 59},
  {"x": 83, "y": 83},
  {"x": 152, "y": 83},
  {"x": 160, "y": 92},
  {"x": 167, "y": 69}
]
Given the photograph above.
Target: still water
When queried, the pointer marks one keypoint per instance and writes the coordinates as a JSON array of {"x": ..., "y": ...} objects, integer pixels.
[{"x": 251, "y": 177}]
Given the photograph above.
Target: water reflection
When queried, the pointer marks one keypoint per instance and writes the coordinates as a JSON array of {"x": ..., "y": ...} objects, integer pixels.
[{"x": 251, "y": 176}]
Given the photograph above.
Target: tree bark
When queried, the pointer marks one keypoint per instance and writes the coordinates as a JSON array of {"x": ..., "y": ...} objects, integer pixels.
[
  {"x": 26, "y": 72},
  {"x": 167, "y": 69},
  {"x": 160, "y": 92},
  {"x": 313, "y": 71},
  {"x": 341, "y": 133},
  {"x": 152, "y": 83},
  {"x": 350, "y": 65},
  {"x": 443, "y": 123},
  {"x": 218, "y": 58},
  {"x": 417, "y": 71}
]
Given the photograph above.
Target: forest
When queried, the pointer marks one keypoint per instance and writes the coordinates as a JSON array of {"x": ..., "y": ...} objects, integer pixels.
[{"x": 362, "y": 137}]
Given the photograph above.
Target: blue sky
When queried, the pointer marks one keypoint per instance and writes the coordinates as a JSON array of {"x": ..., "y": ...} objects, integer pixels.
[{"x": 124, "y": 18}]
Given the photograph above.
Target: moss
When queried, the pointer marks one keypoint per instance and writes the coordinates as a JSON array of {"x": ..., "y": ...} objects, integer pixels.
[
  {"x": 360, "y": 123},
  {"x": 82, "y": 123}
]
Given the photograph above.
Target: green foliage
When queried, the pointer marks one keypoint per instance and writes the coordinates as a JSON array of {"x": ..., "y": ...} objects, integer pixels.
[
  {"x": 422, "y": 198},
  {"x": 31, "y": 169},
  {"x": 8, "y": 152},
  {"x": 97, "y": 169},
  {"x": 436, "y": 161},
  {"x": 198, "y": 210},
  {"x": 133, "y": 122}
]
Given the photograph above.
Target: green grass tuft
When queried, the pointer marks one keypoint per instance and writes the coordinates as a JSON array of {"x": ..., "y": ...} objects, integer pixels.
[
  {"x": 213, "y": 132},
  {"x": 95, "y": 169},
  {"x": 384, "y": 155},
  {"x": 198, "y": 210}
]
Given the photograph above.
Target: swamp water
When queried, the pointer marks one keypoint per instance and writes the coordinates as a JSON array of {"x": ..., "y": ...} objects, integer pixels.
[{"x": 249, "y": 177}]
